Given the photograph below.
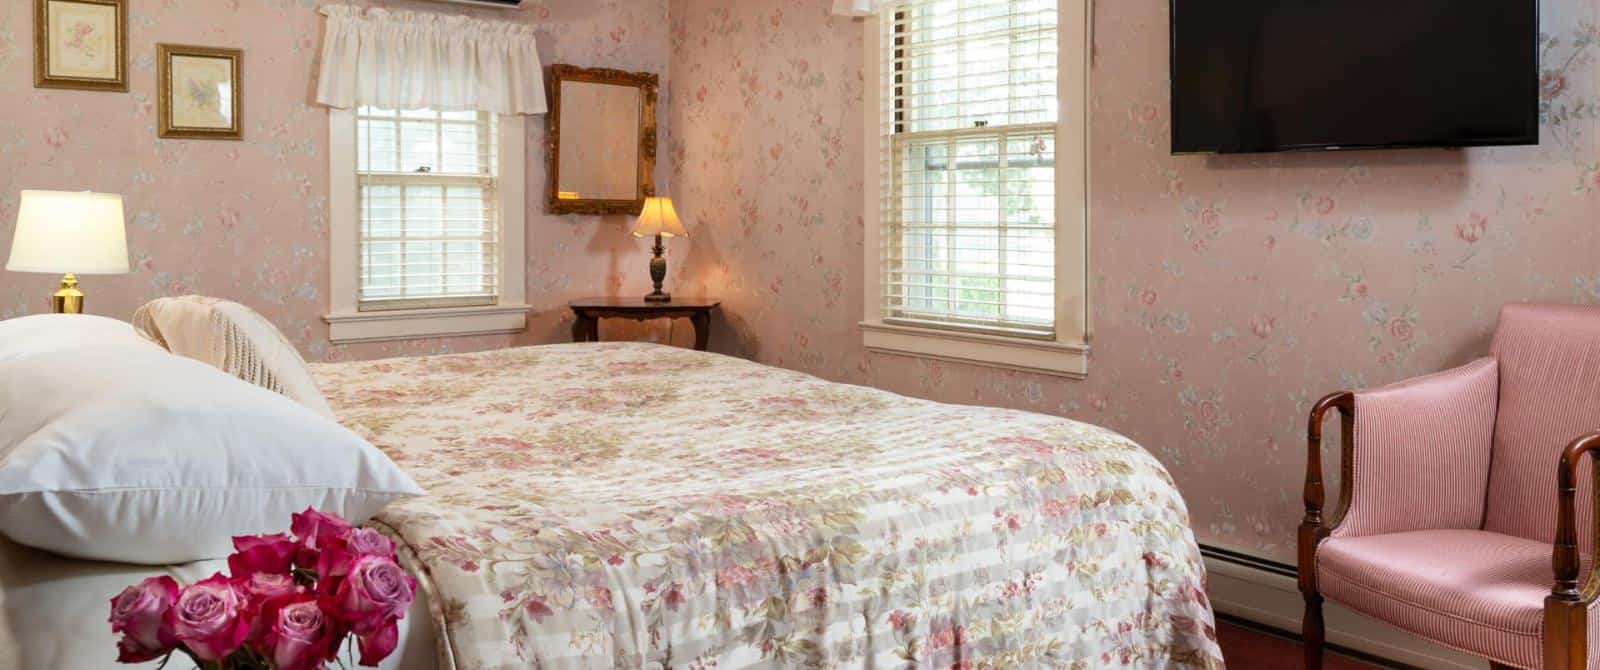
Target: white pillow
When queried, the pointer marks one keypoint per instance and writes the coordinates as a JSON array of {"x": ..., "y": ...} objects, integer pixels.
[
  {"x": 132, "y": 454},
  {"x": 64, "y": 333}
]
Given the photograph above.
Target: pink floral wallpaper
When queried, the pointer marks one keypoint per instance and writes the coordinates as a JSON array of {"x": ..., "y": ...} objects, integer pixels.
[
  {"x": 1229, "y": 293},
  {"x": 249, "y": 220}
]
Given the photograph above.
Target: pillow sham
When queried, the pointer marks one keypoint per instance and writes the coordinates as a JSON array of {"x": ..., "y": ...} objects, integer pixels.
[
  {"x": 65, "y": 334},
  {"x": 133, "y": 455},
  {"x": 234, "y": 339}
]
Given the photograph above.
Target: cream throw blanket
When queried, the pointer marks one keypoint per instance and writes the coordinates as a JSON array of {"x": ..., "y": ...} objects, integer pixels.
[{"x": 233, "y": 338}]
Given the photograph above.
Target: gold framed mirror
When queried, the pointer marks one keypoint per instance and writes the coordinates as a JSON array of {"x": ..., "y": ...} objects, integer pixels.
[{"x": 602, "y": 140}]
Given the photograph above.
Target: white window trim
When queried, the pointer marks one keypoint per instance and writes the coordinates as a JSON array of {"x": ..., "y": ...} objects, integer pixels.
[
  {"x": 348, "y": 324},
  {"x": 1068, "y": 354}
]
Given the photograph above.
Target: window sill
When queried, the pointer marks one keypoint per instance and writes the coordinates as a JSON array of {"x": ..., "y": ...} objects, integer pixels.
[
  {"x": 410, "y": 324},
  {"x": 1053, "y": 358}
]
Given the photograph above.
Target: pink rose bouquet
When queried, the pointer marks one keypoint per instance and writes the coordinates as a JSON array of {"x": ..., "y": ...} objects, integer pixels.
[{"x": 291, "y": 604}]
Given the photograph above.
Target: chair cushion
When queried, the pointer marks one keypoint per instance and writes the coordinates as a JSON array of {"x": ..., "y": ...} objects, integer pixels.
[
  {"x": 1549, "y": 394},
  {"x": 1422, "y": 452},
  {"x": 1477, "y": 591}
]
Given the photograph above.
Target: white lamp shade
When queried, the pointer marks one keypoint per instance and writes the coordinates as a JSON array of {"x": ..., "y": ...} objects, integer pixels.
[
  {"x": 659, "y": 218},
  {"x": 74, "y": 232}
]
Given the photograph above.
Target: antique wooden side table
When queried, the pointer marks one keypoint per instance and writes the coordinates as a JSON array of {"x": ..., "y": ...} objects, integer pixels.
[{"x": 591, "y": 310}]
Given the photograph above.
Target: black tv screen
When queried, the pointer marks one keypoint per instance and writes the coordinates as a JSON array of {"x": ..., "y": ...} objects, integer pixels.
[{"x": 1252, "y": 76}]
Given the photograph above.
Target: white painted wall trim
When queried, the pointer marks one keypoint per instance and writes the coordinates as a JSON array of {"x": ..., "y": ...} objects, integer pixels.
[
  {"x": 412, "y": 324},
  {"x": 1068, "y": 354},
  {"x": 1274, "y": 600},
  {"x": 1037, "y": 356},
  {"x": 348, "y": 324}
]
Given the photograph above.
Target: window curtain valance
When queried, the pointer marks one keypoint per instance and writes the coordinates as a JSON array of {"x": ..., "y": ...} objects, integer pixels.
[
  {"x": 397, "y": 59},
  {"x": 860, "y": 7}
]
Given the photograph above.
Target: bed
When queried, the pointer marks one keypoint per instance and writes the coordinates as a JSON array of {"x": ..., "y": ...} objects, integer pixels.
[{"x": 632, "y": 505}]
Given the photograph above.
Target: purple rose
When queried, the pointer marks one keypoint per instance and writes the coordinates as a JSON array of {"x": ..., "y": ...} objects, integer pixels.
[
  {"x": 262, "y": 587},
  {"x": 208, "y": 618},
  {"x": 366, "y": 541},
  {"x": 139, "y": 613},
  {"x": 338, "y": 554},
  {"x": 261, "y": 591},
  {"x": 300, "y": 636},
  {"x": 375, "y": 592}
]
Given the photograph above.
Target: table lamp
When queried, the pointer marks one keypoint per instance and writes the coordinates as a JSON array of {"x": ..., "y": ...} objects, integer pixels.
[
  {"x": 661, "y": 220},
  {"x": 70, "y": 233}
]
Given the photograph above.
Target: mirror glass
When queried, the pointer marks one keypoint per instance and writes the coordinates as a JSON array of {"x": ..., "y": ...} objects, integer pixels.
[{"x": 600, "y": 157}]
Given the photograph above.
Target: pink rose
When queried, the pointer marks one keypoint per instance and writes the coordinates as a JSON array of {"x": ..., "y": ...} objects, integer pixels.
[
  {"x": 366, "y": 541},
  {"x": 378, "y": 644},
  {"x": 262, "y": 586},
  {"x": 375, "y": 592},
  {"x": 271, "y": 554},
  {"x": 1211, "y": 219},
  {"x": 300, "y": 636},
  {"x": 310, "y": 527},
  {"x": 339, "y": 554},
  {"x": 208, "y": 618},
  {"x": 1325, "y": 205},
  {"x": 313, "y": 524},
  {"x": 139, "y": 613},
  {"x": 263, "y": 591}
]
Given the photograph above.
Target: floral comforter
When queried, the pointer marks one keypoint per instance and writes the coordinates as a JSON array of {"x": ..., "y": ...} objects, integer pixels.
[{"x": 630, "y": 505}]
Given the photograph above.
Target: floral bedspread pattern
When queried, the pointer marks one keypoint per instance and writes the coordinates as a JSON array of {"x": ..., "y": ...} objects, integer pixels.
[{"x": 630, "y": 505}]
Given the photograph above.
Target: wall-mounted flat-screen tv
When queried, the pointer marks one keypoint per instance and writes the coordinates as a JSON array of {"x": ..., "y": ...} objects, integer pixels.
[{"x": 1252, "y": 76}]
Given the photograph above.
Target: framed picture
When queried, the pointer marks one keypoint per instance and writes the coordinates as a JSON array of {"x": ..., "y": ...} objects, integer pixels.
[
  {"x": 81, "y": 44},
  {"x": 199, "y": 92}
]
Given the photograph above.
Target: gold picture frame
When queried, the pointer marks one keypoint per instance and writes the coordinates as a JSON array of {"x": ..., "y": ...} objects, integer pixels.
[
  {"x": 81, "y": 44},
  {"x": 200, "y": 92}
]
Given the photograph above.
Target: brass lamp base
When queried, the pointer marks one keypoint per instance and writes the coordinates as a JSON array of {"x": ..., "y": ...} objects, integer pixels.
[{"x": 68, "y": 300}]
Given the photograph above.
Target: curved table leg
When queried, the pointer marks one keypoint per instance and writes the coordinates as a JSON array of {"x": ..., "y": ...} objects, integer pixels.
[
  {"x": 586, "y": 329},
  {"x": 702, "y": 330}
]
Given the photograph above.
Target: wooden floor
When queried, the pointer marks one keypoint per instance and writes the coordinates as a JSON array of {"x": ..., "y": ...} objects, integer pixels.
[{"x": 1246, "y": 649}]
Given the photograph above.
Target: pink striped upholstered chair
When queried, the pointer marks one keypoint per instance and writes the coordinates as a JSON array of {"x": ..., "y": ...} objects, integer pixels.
[{"x": 1457, "y": 497}]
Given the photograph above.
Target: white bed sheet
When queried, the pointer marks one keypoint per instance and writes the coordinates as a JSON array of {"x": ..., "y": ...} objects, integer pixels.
[{"x": 53, "y": 612}]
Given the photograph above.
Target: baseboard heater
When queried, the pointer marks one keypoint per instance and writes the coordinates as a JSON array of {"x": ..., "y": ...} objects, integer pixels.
[{"x": 1263, "y": 594}]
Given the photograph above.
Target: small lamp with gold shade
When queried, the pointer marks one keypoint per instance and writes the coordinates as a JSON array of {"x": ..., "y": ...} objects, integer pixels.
[
  {"x": 659, "y": 219},
  {"x": 69, "y": 233}
]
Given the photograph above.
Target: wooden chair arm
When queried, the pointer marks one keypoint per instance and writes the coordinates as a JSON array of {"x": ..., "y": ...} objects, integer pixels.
[
  {"x": 1566, "y": 609},
  {"x": 1313, "y": 530},
  {"x": 1566, "y": 560}
]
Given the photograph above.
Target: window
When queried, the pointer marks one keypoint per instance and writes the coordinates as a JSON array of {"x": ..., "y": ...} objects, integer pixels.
[
  {"x": 427, "y": 224},
  {"x": 979, "y": 243}
]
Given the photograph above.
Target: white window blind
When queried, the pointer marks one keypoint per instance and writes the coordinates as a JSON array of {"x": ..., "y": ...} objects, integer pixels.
[
  {"x": 970, "y": 116},
  {"x": 429, "y": 228}
]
